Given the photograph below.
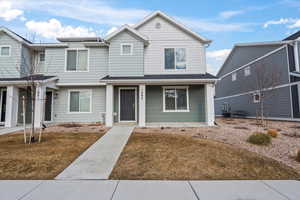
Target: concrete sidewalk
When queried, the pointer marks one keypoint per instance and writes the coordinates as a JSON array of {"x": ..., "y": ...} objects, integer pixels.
[
  {"x": 98, "y": 161},
  {"x": 149, "y": 190}
]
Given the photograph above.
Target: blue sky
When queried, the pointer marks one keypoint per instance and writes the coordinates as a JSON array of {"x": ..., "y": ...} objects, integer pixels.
[{"x": 225, "y": 22}]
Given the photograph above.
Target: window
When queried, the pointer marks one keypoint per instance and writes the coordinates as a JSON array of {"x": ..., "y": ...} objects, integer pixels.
[
  {"x": 247, "y": 71},
  {"x": 4, "y": 50},
  {"x": 256, "y": 97},
  {"x": 176, "y": 99},
  {"x": 42, "y": 57},
  {"x": 80, "y": 101},
  {"x": 77, "y": 60},
  {"x": 175, "y": 58},
  {"x": 233, "y": 77},
  {"x": 126, "y": 49}
]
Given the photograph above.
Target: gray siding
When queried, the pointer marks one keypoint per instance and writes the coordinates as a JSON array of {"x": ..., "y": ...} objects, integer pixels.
[
  {"x": 277, "y": 104},
  {"x": 154, "y": 106},
  {"x": 243, "y": 55},
  {"x": 275, "y": 63},
  {"x": 61, "y": 114},
  {"x": 299, "y": 50},
  {"x": 27, "y": 60},
  {"x": 55, "y": 65},
  {"x": 126, "y": 65},
  {"x": 10, "y": 66}
]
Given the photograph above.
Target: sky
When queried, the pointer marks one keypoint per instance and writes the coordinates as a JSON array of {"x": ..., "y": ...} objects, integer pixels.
[{"x": 224, "y": 22}]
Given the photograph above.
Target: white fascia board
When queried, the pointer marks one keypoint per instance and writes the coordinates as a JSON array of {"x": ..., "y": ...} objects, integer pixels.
[
  {"x": 173, "y": 21},
  {"x": 13, "y": 35},
  {"x": 124, "y": 28},
  {"x": 161, "y": 81},
  {"x": 81, "y": 84}
]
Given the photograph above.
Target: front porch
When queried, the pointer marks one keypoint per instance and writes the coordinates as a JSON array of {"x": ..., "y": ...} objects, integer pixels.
[{"x": 174, "y": 103}]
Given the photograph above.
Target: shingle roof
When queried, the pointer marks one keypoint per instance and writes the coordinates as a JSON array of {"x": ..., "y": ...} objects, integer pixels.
[
  {"x": 163, "y": 76},
  {"x": 34, "y": 77},
  {"x": 293, "y": 37}
]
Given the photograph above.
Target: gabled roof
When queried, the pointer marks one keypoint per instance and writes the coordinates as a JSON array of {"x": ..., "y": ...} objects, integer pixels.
[
  {"x": 15, "y": 35},
  {"x": 126, "y": 28},
  {"x": 293, "y": 37},
  {"x": 174, "y": 22}
]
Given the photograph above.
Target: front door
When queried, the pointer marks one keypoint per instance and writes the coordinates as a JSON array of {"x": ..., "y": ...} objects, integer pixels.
[
  {"x": 127, "y": 104},
  {"x": 48, "y": 106}
]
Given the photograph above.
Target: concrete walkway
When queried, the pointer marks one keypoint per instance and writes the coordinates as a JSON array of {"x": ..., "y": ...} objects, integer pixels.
[
  {"x": 149, "y": 190},
  {"x": 99, "y": 160}
]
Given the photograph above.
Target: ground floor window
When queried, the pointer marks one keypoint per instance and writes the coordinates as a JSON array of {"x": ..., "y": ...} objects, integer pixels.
[
  {"x": 175, "y": 99},
  {"x": 80, "y": 101}
]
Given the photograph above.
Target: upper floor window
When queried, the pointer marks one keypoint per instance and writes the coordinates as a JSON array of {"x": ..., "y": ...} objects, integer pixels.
[
  {"x": 77, "y": 60},
  {"x": 42, "y": 57},
  {"x": 247, "y": 71},
  {"x": 233, "y": 77},
  {"x": 176, "y": 99},
  {"x": 4, "y": 50},
  {"x": 175, "y": 58},
  {"x": 126, "y": 49}
]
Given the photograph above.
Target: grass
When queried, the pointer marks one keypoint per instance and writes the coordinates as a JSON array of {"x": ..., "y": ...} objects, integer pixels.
[
  {"x": 175, "y": 157},
  {"x": 43, "y": 160}
]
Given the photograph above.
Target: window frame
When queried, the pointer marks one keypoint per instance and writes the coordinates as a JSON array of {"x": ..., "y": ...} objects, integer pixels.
[
  {"x": 254, "y": 100},
  {"x": 77, "y": 49},
  {"x": 247, "y": 71},
  {"x": 9, "y": 54},
  {"x": 234, "y": 77},
  {"x": 175, "y": 62},
  {"x": 39, "y": 57},
  {"x": 79, "y": 90},
  {"x": 187, "y": 98},
  {"x": 131, "y": 49}
]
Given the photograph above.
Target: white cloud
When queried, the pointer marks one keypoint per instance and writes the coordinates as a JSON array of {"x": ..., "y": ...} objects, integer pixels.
[
  {"x": 112, "y": 29},
  {"x": 277, "y": 22},
  {"x": 23, "y": 19},
  {"x": 7, "y": 12},
  {"x": 215, "y": 59},
  {"x": 53, "y": 28},
  {"x": 230, "y": 13},
  {"x": 295, "y": 25}
]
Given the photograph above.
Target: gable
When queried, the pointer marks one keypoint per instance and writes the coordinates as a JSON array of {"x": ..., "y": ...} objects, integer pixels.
[{"x": 242, "y": 55}]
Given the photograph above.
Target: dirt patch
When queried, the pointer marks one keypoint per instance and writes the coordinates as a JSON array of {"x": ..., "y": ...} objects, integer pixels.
[
  {"x": 176, "y": 157},
  {"x": 43, "y": 160}
]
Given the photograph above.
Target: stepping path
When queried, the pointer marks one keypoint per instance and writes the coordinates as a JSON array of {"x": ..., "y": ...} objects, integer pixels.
[{"x": 98, "y": 161}]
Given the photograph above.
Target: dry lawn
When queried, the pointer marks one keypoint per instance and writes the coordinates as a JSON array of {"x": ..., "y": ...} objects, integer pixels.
[
  {"x": 178, "y": 157},
  {"x": 43, "y": 160}
]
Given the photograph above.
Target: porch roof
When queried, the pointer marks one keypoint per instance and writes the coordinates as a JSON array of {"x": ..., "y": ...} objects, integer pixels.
[
  {"x": 155, "y": 78},
  {"x": 25, "y": 79}
]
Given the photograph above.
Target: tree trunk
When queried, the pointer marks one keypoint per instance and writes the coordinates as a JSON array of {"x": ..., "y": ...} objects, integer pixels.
[{"x": 32, "y": 112}]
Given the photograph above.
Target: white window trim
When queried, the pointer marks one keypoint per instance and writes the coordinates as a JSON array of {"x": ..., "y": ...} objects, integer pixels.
[
  {"x": 254, "y": 100},
  {"x": 8, "y": 51},
  {"x": 39, "y": 58},
  {"x": 175, "y": 69},
  {"x": 77, "y": 49},
  {"x": 131, "y": 49},
  {"x": 187, "y": 98},
  {"x": 234, "y": 76},
  {"x": 246, "y": 70},
  {"x": 80, "y": 90},
  {"x": 119, "y": 103}
]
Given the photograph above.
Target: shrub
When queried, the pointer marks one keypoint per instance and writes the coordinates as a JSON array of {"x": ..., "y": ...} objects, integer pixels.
[
  {"x": 259, "y": 139},
  {"x": 298, "y": 156},
  {"x": 272, "y": 132}
]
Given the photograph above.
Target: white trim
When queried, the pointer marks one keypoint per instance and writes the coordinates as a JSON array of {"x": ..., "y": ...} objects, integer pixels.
[
  {"x": 135, "y": 104},
  {"x": 187, "y": 98},
  {"x": 179, "y": 25},
  {"x": 77, "y": 49},
  {"x": 142, "y": 105},
  {"x": 126, "y": 44},
  {"x": 79, "y": 90},
  {"x": 80, "y": 84},
  {"x": 296, "y": 55},
  {"x": 128, "y": 28},
  {"x": 9, "y": 52},
  {"x": 175, "y": 62},
  {"x": 39, "y": 57},
  {"x": 161, "y": 81},
  {"x": 253, "y": 61}
]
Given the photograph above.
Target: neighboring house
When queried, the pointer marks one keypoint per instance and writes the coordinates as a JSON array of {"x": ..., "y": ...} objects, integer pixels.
[
  {"x": 152, "y": 72},
  {"x": 264, "y": 68}
]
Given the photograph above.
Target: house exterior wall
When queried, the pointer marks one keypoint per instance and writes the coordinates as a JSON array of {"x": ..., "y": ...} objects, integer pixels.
[
  {"x": 126, "y": 65},
  {"x": 154, "y": 106},
  {"x": 27, "y": 59},
  {"x": 10, "y": 64},
  {"x": 275, "y": 64},
  {"x": 55, "y": 64},
  {"x": 61, "y": 106},
  {"x": 171, "y": 36},
  {"x": 277, "y": 104}
]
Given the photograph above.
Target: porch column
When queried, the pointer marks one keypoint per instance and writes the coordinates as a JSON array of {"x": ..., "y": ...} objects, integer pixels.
[
  {"x": 142, "y": 105},
  {"x": 40, "y": 96},
  {"x": 12, "y": 102},
  {"x": 209, "y": 104},
  {"x": 109, "y": 119}
]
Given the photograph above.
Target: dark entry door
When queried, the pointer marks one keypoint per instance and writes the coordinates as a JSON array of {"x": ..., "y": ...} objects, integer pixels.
[
  {"x": 127, "y": 105},
  {"x": 3, "y": 106},
  {"x": 48, "y": 107}
]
